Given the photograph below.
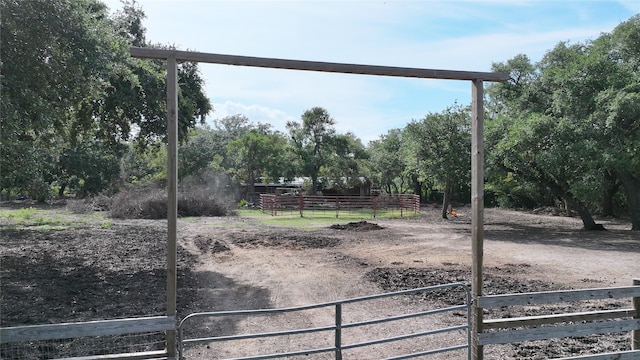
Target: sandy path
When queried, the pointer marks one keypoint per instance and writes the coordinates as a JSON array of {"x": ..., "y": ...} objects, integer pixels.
[{"x": 296, "y": 277}]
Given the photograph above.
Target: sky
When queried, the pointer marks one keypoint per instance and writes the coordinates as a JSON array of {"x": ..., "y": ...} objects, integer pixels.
[{"x": 448, "y": 35}]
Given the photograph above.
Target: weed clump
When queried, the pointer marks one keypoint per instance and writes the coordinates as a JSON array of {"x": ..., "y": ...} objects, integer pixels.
[{"x": 84, "y": 206}]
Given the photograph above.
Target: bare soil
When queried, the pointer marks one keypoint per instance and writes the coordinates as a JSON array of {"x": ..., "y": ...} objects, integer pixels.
[{"x": 114, "y": 270}]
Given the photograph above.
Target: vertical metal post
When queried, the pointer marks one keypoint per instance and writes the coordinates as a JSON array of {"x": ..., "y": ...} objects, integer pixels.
[
  {"x": 477, "y": 207},
  {"x": 635, "y": 334},
  {"x": 338, "y": 340},
  {"x": 469, "y": 322},
  {"x": 172, "y": 198}
]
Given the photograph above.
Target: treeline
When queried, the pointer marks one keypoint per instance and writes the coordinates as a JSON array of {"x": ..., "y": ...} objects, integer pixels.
[{"x": 79, "y": 116}]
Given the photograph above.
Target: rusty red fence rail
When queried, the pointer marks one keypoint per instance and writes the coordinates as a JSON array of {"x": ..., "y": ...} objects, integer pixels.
[{"x": 346, "y": 203}]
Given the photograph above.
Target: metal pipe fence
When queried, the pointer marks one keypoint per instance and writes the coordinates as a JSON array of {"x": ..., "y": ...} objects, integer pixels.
[{"x": 338, "y": 327}]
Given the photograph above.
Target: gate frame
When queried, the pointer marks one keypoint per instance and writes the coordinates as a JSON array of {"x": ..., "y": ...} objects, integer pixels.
[
  {"x": 339, "y": 325},
  {"x": 477, "y": 149}
]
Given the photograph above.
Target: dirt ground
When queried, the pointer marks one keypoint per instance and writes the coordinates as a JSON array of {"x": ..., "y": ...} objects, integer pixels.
[{"x": 114, "y": 269}]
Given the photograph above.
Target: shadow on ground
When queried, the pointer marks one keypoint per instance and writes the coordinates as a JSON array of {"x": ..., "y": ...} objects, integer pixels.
[{"x": 96, "y": 273}]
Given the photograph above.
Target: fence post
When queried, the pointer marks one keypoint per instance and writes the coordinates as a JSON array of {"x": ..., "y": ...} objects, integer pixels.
[
  {"x": 635, "y": 334},
  {"x": 338, "y": 342},
  {"x": 374, "y": 204},
  {"x": 274, "y": 211},
  {"x": 301, "y": 204},
  {"x": 172, "y": 199}
]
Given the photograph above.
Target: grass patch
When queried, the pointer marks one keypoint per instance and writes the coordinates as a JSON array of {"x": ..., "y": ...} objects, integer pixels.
[
  {"x": 38, "y": 219},
  {"x": 50, "y": 227},
  {"x": 106, "y": 224},
  {"x": 317, "y": 219}
]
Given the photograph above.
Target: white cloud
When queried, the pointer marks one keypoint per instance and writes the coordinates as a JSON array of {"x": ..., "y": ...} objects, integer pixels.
[
  {"x": 254, "y": 112},
  {"x": 457, "y": 35},
  {"x": 631, "y": 5}
]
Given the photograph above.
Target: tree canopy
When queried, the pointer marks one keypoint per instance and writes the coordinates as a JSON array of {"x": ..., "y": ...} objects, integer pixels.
[
  {"x": 571, "y": 122},
  {"x": 312, "y": 141},
  {"x": 69, "y": 85},
  {"x": 443, "y": 144}
]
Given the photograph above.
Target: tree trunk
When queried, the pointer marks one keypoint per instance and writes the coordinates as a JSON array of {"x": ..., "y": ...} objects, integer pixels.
[
  {"x": 446, "y": 199},
  {"x": 585, "y": 215},
  {"x": 612, "y": 187},
  {"x": 568, "y": 209},
  {"x": 561, "y": 190},
  {"x": 632, "y": 190},
  {"x": 607, "y": 200},
  {"x": 61, "y": 190},
  {"x": 251, "y": 190},
  {"x": 417, "y": 186}
]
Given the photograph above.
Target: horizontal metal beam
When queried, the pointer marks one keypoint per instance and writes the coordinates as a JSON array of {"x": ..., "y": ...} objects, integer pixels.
[{"x": 150, "y": 53}]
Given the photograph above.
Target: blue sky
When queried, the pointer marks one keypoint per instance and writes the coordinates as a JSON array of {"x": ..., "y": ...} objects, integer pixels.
[{"x": 452, "y": 35}]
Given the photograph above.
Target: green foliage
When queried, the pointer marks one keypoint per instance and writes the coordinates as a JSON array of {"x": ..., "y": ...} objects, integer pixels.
[
  {"x": 201, "y": 152},
  {"x": 88, "y": 167},
  {"x": 141, "y": 166},
  {"x": 257, "y": 154},
  {"x": 346, "y": 167},
  {"x": 388, "y": 161},
  {"x": 570, "y": 123},
  {"x": 443, "y": 149},
  {"x": 72, "y": 94},
  {"x": 312, "y": 142}
]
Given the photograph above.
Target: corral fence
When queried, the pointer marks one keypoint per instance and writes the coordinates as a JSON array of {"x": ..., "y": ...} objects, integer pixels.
[
  {"x": 541, "y": 327},
  {"x": 292, "y": 203},
  {"x": 338, "y": 329}
]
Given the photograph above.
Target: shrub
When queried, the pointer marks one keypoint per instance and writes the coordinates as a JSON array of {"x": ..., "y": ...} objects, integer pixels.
[
  {"x": 152, "y": 204},
  {"x": 198, "y": 202},
  {"x": 83, "y": 206}
]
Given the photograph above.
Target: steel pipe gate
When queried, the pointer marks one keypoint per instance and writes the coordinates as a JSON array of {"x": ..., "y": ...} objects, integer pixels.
[{"x": 338, "y": 326}]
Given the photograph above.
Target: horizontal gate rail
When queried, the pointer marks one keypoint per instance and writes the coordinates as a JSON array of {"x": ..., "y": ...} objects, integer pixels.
[
  {"x": 545, "y": 297},
  {"x": 88, "y": 328},
  {"x": 147, "y": 355},
  {"x": 556, "y": 318},
  {"x": 131, "y": 339},
  {"x": 558, "y": 331},
  {"x": 339, "y": 326},
  {"x": 622, "y": 355},
  {"x": 404, "y": 337},
  {"x": 528, "y": 328},
  {"x": 405, "y": 316}
]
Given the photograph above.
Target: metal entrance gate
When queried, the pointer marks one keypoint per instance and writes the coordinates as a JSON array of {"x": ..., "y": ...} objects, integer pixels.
[{"x": 335, "y": 331}]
